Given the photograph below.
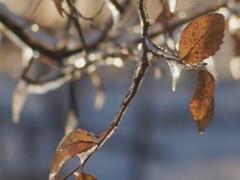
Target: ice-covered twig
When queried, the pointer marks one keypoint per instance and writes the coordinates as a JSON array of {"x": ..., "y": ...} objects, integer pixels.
[
  {"x": 49, "y": 85},
  {"x": 27, "y": 52},
  {"x": 159, "y": 51},
  {"x": 139, "y": 74},
  {"x": 114, "y": 10}
]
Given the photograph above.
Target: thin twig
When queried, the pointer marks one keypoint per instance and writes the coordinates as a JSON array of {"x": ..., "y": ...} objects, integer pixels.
[
  {"x": 74, "y": 18},
  {"x": 141, "y": 69},
  {"x": 73, "y": 102}
]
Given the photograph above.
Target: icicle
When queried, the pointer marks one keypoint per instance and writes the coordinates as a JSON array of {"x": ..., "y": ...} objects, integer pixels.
[
  {"x": 99, "y": 100},
  {"x": 114, "y": 11},
  {"x": 27, "y": 54},
  {"x": 97, "y": 83},
  {"x": 49, "y": 86},
  {"x": 172, "y": 5},
  {"x": 235, "y": 67},
  {"x": 160, "y": 51},
  {"x": 175, "y": 68},
  {"x": 72, "y": 122},
  {"x": 19, "y": 97}
]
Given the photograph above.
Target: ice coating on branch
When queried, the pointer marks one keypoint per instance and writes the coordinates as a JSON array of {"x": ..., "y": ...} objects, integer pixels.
[
  {"x": 175, "y": 68},
  {"x": 108, "y": 136},
  {"x": 145, "y": 10},
  {"x": 19, "y": 97},
  {"x": 27, "y": 52},
  {"x": 49, "y": 86},
  {"x": 159, "y": 51},
  {"x": 150, "y": 57},
  {"x": 114, "y": 11},
  {"x": 145, "y": 16},
  {"x": 84, "y": 155}
]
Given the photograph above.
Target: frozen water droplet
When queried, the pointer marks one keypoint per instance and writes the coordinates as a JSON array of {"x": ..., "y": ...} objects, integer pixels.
[
  {"x": 60, "y": 150},
  {"x": 175, "y": 68},
  {"x": 201, "y": 132}
]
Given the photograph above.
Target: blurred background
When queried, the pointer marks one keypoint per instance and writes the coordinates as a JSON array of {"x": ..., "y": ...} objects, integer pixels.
[{"x": 157, "y": 138}]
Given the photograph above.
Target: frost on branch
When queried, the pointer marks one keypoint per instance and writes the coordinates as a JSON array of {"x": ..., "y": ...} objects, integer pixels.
[
  {"x": 201, "y": 38},
  {"x": 202, "y": 103}
]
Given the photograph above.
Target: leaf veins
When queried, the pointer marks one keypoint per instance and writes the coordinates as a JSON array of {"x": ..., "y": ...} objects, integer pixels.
[
  {"x": 73, "y": 144},
  {"x": 202, "y": 103},
  {"x": 202, "y": 38}
]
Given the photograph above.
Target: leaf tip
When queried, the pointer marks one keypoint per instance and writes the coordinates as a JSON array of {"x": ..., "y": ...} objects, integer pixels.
[{"x": 58, "y": 4}]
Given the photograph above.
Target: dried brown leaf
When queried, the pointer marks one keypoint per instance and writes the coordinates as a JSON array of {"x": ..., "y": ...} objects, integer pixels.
[
  {"x": 202, "y": 103},
  {"x": 164, "y": 16},
  {"x": 84, "y": 176},
  {"x": 73, "y": 144},
  {"x": 202, "y": 38},
  {"x": 58, "y": 4}
]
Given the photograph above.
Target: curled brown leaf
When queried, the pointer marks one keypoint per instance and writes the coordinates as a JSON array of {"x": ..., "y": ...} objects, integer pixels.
[
  {"x": 84, "y": 176},
  {"x": 201, "y": 38},
  {"x": 77, "y": 143},
  {"x": 202, "y": 103}
]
